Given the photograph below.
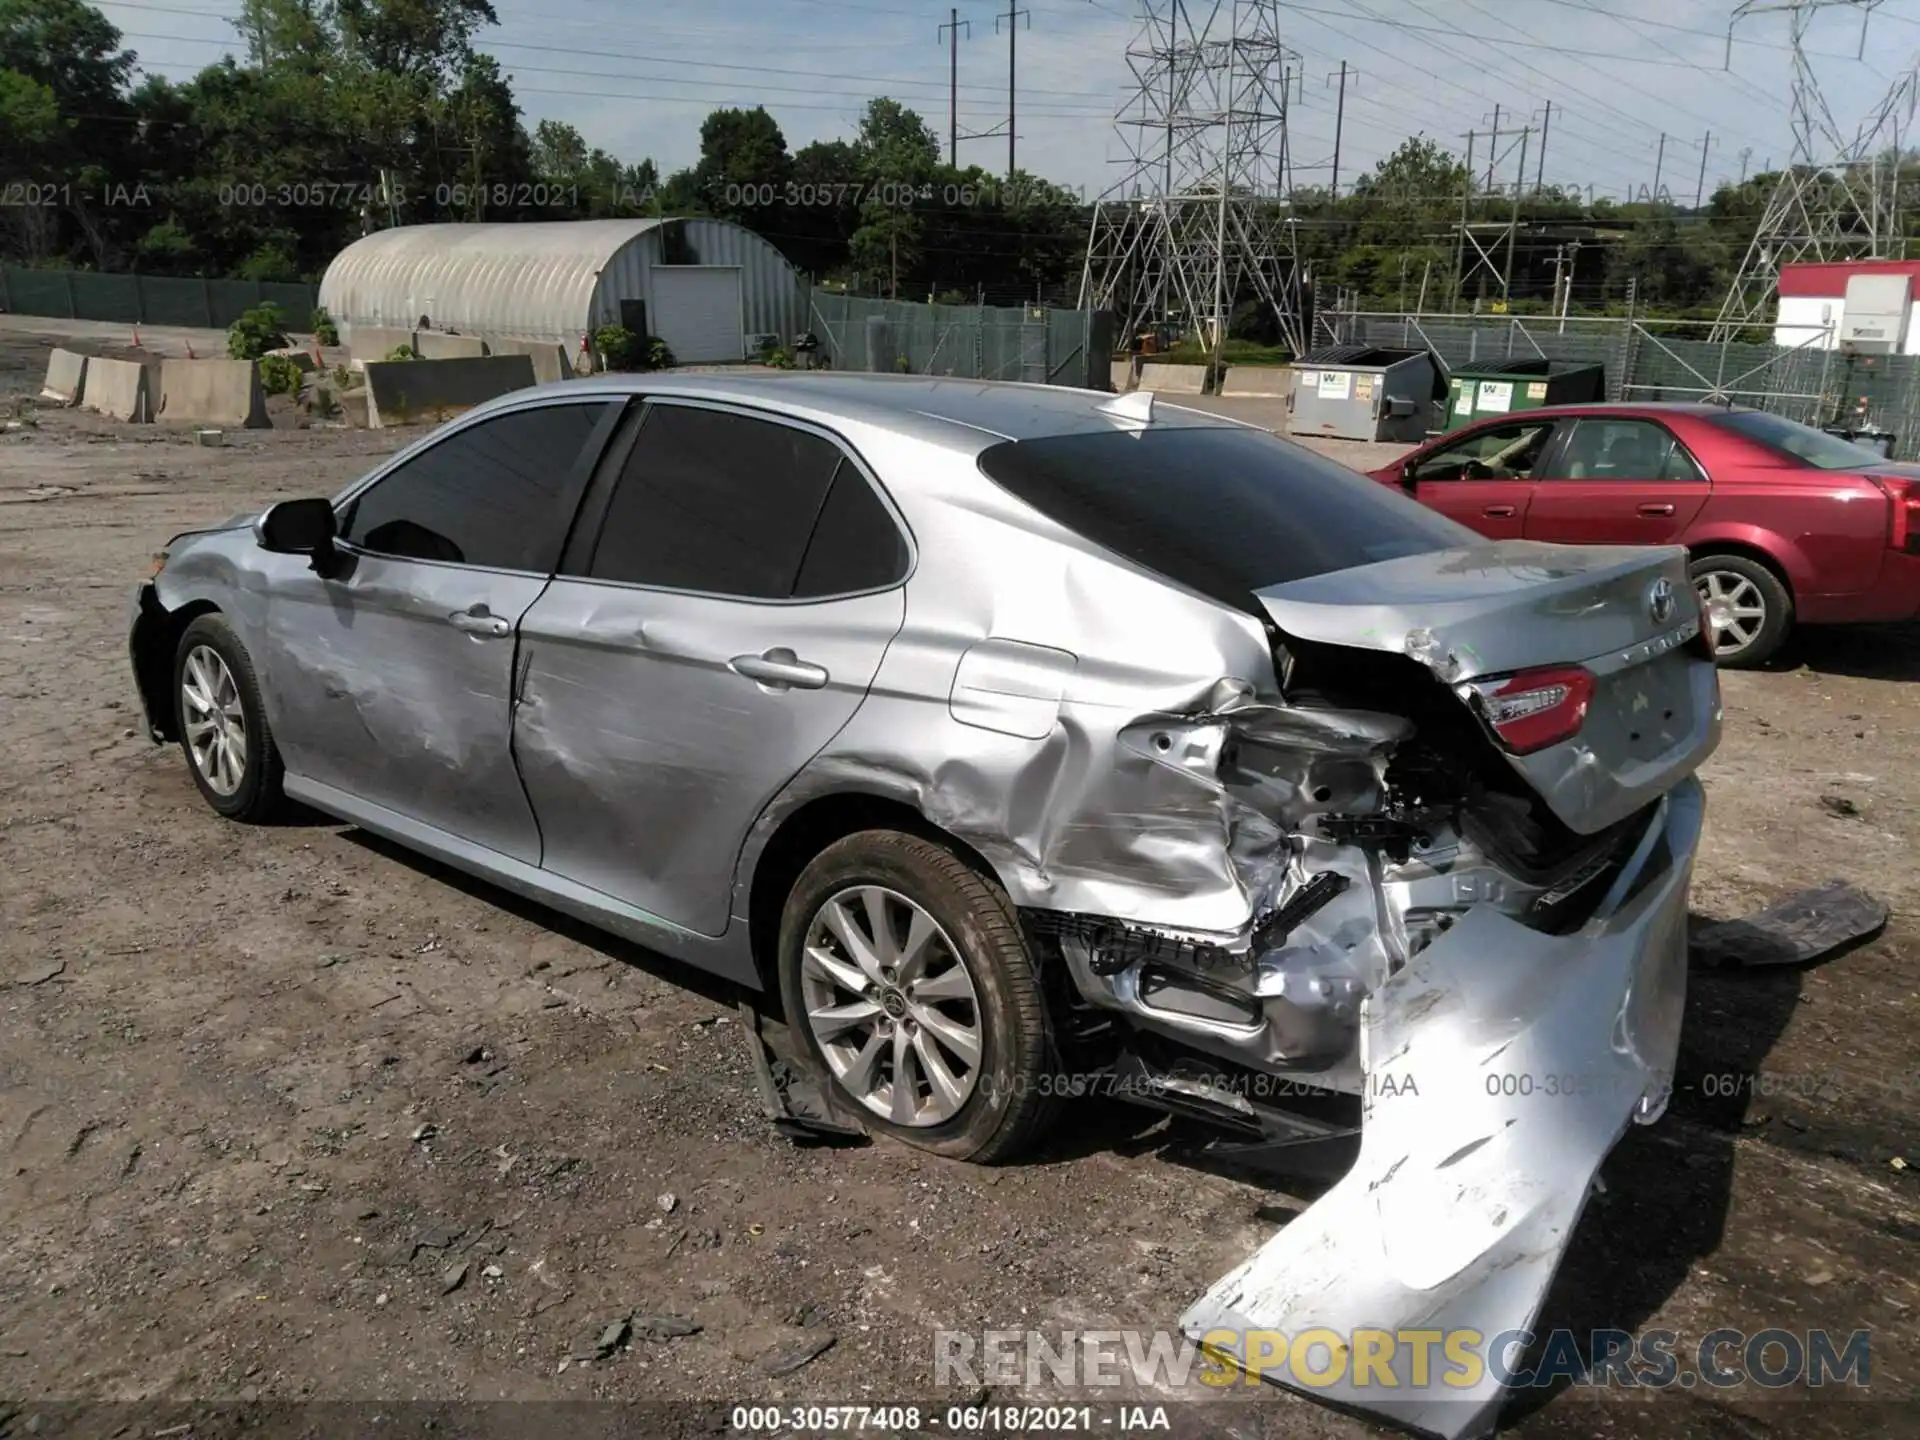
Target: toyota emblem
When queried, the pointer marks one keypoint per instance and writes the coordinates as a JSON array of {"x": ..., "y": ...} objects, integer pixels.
[{"x": 1660, "y": 600}]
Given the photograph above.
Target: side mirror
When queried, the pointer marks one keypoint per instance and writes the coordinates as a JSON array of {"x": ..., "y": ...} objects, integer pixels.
[{"x": 297, "y": 527}]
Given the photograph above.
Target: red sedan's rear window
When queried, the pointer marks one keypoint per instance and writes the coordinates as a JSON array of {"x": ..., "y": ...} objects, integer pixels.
[{"x": 1799, "y": 442}]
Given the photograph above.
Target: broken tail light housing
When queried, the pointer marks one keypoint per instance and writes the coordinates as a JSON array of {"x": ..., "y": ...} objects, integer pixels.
[
  {"x": 1533, "y": 709},
  {"x": 1904, "y": 530}
]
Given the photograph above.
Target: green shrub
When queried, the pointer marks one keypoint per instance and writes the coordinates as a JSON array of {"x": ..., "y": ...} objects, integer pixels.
[
  {"x": 402, "y": 352},
  {"x": 324, "y": 330},
  {"x": 903, "y": 365},
  {"x": 779, "y": 359},
  {"x": 256, "y": 332},
  {"x": 279, "y": 375},
  {"x": 658, "y": 356},
  {"x": 618, "y": 347},
  {"x": 342, "y": 377}
]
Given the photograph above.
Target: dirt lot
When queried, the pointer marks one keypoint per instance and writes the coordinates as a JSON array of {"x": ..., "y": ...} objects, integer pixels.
[{"x": 288, "y": 1114}]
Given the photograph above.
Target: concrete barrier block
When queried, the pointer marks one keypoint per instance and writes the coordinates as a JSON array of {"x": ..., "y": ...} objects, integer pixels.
[
  {"x": 402, "y": 391},
  {"x": 212, "y": 392},
  {"x": 374, "y": 342},
  {"x": 432, "y": 345},
  {"x": 551, "y": 360},
  {"x": 303, "y": 358},
  {"x": 122, "y": 389},
  {"x": 1271, "y": 382},
  {"x": 66, "y": 377},
  {"x": 1123, "y": 374},
  {"x": 1173, "y": 379}
]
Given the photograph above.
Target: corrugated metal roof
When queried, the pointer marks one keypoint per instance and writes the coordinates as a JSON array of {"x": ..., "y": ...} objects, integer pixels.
[{"x": 510, "y": 279}]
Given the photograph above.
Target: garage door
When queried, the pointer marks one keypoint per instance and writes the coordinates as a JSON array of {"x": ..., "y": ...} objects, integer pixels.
[{"x": 697, "y": 311}]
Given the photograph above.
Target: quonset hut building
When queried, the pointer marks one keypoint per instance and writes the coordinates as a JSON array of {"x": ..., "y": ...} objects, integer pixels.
[{"x": 710, "y": 288}]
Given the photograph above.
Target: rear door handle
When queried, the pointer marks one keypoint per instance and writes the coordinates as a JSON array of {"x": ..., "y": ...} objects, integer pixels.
[
  {"x": 1652, "y": 510},
  {"x": 479, "y": 620},
  {"x": 779, "y": 669},
  {"x": 1498, "y": 512}
]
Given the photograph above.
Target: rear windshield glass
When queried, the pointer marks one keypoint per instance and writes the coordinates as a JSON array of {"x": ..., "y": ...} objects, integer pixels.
[
  {"x": 1223, "y": 510},
  {"x": 1802, "y": 442}
]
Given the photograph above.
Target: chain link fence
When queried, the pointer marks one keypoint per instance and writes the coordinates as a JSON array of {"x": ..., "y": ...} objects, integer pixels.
[
  {"x": 1037, "y": 344},
  {"x": 1670, "y": 360},
  {"x": 148, "y": 299}
]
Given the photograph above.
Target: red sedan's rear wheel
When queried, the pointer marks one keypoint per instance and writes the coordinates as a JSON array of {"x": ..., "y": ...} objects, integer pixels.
[{"x": 1749, "y": 609}]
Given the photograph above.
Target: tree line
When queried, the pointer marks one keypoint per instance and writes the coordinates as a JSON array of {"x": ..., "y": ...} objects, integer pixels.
[{"x": 345, "y": 116}]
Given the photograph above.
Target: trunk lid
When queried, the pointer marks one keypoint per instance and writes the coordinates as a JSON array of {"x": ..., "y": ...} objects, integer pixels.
[{"x": 1623, "y": 613}]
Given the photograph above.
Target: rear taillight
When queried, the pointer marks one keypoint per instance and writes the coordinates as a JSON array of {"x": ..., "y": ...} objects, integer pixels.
[
  {"x": 1535, "y": 708},
  {"x": 1904, "y": 532}
]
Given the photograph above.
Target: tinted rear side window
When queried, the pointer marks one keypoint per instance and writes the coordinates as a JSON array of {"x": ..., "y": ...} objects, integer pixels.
[
  {"x": 1223, "y": 511},
  {"x": 856, "y": 546},
  {"x": 499, "y": 494},
  {"x": 716, "y": 502}
]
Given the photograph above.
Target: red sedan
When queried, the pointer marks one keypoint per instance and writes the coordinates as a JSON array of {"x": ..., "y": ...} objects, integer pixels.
[{"x": 1786, "y": 524}]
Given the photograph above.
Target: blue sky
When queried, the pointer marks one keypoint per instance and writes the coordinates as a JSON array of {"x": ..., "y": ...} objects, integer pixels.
[{"x": 637, "y": 77}]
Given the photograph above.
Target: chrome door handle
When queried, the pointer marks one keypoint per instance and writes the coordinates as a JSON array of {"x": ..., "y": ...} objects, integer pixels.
[
  {"x": 479, "y": 621},
  {"x": 780, "y": 669},
  {"x": 1651, "y": 510},
  {"x": 1498, "y": 512}
]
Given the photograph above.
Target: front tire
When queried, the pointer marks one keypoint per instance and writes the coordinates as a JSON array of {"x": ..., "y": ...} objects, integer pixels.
[
  {"x": 907, "y": 977},
  {"x": 1749, "y": 608},
  {"x": 222, "y": 723}
]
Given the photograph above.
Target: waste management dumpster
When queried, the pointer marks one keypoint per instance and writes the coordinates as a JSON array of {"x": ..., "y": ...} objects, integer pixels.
[
  {"x": 1366, "y": 392},
  {"x": 1477, "y": 391}
]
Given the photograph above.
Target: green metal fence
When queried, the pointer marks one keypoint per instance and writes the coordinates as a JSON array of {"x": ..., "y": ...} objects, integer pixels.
[
  {"x": 1673, "y": 360},
  {"x": 973, "y": 342},
  {"x": 148, "y": 299}
]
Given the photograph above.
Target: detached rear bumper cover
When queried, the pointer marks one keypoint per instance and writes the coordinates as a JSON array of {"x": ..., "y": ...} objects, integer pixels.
[{"x": 1502, "y": 1066}]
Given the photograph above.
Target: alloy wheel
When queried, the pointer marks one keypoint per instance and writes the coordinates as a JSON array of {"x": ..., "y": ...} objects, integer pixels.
[
  {"x": 215, "y": 720},
  {"x": 1735, "y": 608},
  {"x": 892, "y": 1006}
]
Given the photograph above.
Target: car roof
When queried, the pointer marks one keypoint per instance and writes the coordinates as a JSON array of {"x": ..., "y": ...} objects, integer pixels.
[
  {"x": 969, "y": 414},
  {"x": 1626, "y": 408}
]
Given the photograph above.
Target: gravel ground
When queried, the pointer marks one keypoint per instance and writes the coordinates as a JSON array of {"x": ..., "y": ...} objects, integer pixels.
[{"x": 289, "y": 1114}]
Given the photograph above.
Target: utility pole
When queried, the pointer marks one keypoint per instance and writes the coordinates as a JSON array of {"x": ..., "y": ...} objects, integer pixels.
[
  {"x": 1513, "y": 225},
  {"x": 1493, "y": 146},
  {"x": 1745, "y": 156},
  {"x": 1700, "y": 190},
  {"x": 1540, "y": 173},
  {"x": 1460, "y": 253},
  {"x": 1012, "y": 17},
  {"x": 1339, "y": 117},
  {"x": 952, "y": 30},
  {"x": 1566, "y": 298},
  {"x": 1659, "y": 161}
]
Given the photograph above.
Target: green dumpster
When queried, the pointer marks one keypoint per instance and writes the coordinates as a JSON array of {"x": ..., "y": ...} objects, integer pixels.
[{"x": 1475, "y": 392}]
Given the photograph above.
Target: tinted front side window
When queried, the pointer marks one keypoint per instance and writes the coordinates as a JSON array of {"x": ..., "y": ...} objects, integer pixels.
[
  {"x": 500, "y": 494},
  {"x": 1224, "y": 511},
  {"x": 715, "y": 502}
]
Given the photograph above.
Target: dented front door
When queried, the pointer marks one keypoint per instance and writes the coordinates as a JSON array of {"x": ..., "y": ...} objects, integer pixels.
[{"x": 392, "y": 680}]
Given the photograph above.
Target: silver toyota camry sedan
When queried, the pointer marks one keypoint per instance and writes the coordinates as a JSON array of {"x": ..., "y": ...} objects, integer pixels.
[{"x": 1005, "y": 733}]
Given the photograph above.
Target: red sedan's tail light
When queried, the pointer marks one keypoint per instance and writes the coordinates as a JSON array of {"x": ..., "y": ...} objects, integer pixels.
[
  {"x": 1535, "y": 708},
  {"x": 1904, "y": 534}
]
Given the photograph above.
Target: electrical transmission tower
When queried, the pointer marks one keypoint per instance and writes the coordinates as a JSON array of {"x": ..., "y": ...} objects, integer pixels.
[
  {"x": 1198, "y": 219},
  {"x": 1838, "y": 198}
]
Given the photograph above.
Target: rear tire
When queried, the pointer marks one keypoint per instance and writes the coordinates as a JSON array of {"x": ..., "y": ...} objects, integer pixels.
[
  {"x": 894, "y": 952},
  {"x": 223, "y": 725},
  {"x": 1751, "y": 610}
]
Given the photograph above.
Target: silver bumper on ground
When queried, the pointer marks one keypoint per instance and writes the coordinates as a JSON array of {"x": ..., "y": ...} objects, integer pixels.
[{"x": 1501, "y": 1066}]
